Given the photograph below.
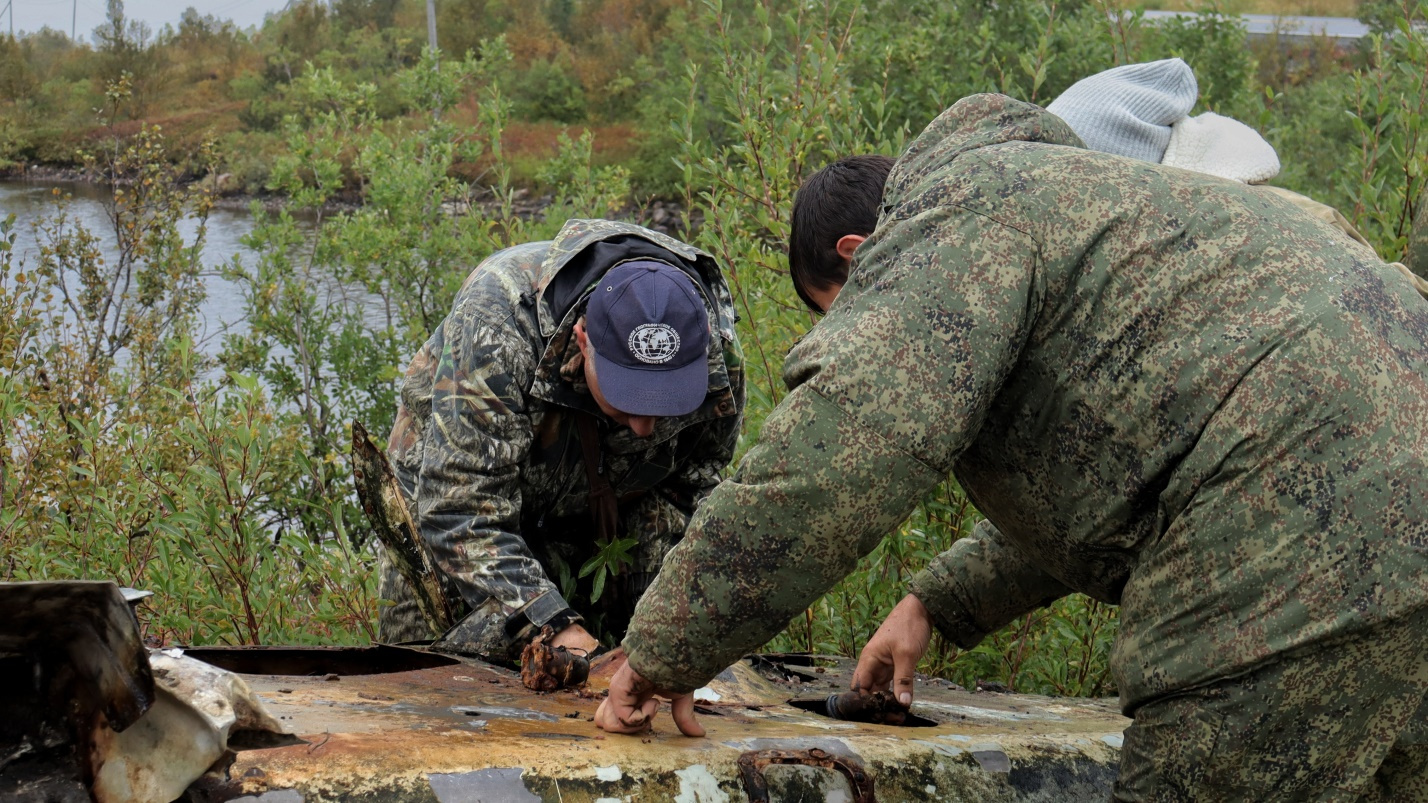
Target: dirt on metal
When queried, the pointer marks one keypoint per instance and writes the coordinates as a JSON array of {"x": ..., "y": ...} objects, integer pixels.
[{"x": 472, "y": 731}]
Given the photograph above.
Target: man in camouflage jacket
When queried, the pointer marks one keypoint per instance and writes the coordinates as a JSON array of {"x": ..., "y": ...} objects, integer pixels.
[
  {"x": 1164, "y": 390},
  {"x": 488, "y": 449}
]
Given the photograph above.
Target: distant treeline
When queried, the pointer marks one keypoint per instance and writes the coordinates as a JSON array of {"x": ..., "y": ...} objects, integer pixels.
[{"x": 626, "y": 68}]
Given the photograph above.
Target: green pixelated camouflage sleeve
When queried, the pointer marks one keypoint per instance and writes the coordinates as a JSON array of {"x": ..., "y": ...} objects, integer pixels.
[
  {"x": 980, "y": 584},
  {"x": 888, "y": 390}
]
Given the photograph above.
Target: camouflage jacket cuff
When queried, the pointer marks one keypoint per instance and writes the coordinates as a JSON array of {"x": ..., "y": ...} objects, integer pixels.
[
  {"x": 642, "y": 658},
  {"x": 494, "y": 633},
  {"x": 547, "y": 609},
  {"x": 953, "y": 621}
]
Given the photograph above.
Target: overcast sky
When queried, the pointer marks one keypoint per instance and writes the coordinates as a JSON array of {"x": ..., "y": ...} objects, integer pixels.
[{"x": 32, "y": 15}]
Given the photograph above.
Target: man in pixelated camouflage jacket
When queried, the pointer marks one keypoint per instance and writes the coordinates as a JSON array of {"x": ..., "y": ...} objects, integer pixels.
[
  {"x": 1164, "y": 390},
  {"x": 488, "y": 449}
]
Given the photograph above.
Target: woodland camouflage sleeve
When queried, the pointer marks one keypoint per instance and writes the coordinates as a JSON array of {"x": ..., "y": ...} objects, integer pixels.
[
  {"x": 468, "y": 497},
  {"x": 890, "y": 389},
  {"x": 980, "y": 584}
]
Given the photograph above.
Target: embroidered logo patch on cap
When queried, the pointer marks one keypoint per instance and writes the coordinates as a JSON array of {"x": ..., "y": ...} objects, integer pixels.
[{"x": 654, "y": 343}]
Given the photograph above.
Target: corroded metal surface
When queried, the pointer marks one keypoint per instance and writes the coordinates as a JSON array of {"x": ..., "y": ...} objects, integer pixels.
[{"x": 472, "y": 732}]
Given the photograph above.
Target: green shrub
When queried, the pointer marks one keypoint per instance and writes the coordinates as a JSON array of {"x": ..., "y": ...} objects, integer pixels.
[{"x": 547, "y": 91}]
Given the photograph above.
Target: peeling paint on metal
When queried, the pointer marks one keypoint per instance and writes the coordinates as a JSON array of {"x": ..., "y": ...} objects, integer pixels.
[
  {"x": 496, "y": 785},
  {"x": 940, "y": 749},
  {"x": 931, "y": 709},
  {"x": 277, "y": 796},
  {"x": 378, "y": 737},
  {"x": 698, "y": 785},
  {"x": 837, "y": 747},
  {"x": 992, "y": 760}
]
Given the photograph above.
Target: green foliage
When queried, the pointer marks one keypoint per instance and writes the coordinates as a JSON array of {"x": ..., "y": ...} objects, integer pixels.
[
  {"x": 124, "y": 454},
  {"x": 118, "y": 460},
  {"x": 547, "y": 91},
  {"x": 1385, "y": 175},
  {"x": 610, "y": 559}
]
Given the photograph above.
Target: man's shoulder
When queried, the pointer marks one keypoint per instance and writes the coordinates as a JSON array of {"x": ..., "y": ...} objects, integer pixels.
[{"x": 510, "y": 271}]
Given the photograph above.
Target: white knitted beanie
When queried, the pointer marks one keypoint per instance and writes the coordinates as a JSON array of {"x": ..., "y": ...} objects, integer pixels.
[
  {"x": 1128, "y": 110},
  {"x": 1221, "y": 146}
]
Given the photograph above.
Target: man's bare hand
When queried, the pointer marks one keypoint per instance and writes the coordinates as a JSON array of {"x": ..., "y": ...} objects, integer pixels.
[
  {"x": 631, "y": 706},
  {"x": 890, "y": 658},
  {"x": 575, "y": 637}
]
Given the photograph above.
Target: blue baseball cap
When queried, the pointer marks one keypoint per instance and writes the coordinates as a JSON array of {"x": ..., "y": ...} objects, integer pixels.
[{"x": 650, "y": 331}]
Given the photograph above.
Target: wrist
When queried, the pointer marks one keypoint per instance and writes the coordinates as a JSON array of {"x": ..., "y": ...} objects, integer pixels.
[
  {"x": 575, "y": 637},
  {"x": 647, "y": 667},
  {"x": 914, "y": 607}
]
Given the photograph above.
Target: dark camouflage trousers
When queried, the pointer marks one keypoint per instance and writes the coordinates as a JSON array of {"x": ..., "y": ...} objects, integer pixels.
[
  {"x": 570, "y": 547},
  {"x": 1347, "y": 721}
]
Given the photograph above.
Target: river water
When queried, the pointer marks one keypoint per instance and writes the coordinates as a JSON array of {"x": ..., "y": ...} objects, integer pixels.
[{"x": 221, "y": 313}]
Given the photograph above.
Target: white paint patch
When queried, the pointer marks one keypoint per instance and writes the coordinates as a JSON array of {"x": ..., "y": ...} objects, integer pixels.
[
  {"x": 941, "y": 749},
  {"x": 610, "y": 773},
  {"x": 698, "y": 785},
  {"x": 707, "y": 695},
  {"x": 829, "y": 725},
  {"x": 988, "y": 713},
  {"x": 1114, "y": 740}
]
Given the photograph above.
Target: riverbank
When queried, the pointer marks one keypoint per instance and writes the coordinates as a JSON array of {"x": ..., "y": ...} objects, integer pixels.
[{"x": 664, "y": 216}]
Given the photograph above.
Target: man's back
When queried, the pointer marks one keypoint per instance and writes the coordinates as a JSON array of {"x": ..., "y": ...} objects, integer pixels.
[
  {"x": 1165, "y": 389},
  {"x": 1215, "y": 396}
]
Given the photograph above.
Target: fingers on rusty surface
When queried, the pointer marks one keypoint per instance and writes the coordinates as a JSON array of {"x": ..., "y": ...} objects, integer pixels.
[{"x": 879, "y": 707}]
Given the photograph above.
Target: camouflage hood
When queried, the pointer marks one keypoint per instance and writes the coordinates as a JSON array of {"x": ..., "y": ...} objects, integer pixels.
[
  {"x": 578, "y": 236},
  {"x": 973, "y": 123}
]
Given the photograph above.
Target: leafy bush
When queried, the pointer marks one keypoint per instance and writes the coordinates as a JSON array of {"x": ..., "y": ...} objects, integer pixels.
[{"x": 547, "y": 91}]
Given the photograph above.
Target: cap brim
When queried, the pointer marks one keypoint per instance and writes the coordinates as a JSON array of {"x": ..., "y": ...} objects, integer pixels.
[{"x": 648, "y": 391}]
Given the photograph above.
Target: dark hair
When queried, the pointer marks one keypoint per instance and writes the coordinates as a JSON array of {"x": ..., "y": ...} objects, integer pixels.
[{"x": 842, "y": 198}]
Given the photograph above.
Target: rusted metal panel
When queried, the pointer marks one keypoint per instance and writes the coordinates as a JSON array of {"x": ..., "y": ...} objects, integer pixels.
[
  {"x": 471, "y": 731},
  {"x": 393, "y": 724}
]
